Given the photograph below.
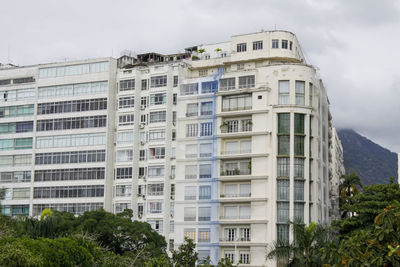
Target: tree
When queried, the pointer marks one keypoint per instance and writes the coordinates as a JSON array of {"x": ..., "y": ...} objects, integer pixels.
[
  {"x": 347, "y": 189},
  {"x": 305, "y": 249},
  {"x": 375, "y": 246},
  {"x": 185, "y": 256},
  {"x": 367, "y": 205}
]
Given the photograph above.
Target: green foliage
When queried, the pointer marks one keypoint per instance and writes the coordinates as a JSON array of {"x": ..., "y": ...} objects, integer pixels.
[
  {"x": 46, "y": 213},
  {"x": 305, "y": 249},
  {"x": 185, "y": 256},
  {"x": 201, "y": 50},
  {"x": 161, "y": 261},
  {"x": 367, "y": 205},
  {"x": 348, "y": 188}
]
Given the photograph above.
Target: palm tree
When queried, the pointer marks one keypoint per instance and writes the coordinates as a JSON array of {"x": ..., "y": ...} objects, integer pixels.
[
  {"x": 348, "y": 188},
  {"x": 304, "y": 250}
]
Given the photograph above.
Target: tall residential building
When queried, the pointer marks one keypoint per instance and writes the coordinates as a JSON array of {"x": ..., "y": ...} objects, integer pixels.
[{"x": 224, "y": 143}]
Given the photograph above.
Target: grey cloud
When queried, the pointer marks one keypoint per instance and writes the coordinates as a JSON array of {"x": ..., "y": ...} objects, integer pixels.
[{"x": 354, "y": 43}]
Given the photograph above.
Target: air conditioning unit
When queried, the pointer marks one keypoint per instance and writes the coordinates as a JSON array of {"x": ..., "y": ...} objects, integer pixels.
[
  {"x": 172, "y": 197},
  {"x": 144, "y": 197},
  {"x": 171, "y": 177},
  {"x": 139, "y": 195},
  {"x": 143, "y": 107},
  {"x": 142, "y": 143},
  {"x": 142, "y": 126},
  {"x": 140, "y": 215},
  {"x": 174, "y": 123},
  {"x": 172, "y": 215}
]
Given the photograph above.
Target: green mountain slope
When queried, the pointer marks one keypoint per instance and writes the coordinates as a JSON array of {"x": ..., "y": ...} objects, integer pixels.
[{"x": 373, "y": 163}]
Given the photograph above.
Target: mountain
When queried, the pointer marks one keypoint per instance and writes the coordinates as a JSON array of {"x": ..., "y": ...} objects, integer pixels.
[{"x": 373, "y": 164}]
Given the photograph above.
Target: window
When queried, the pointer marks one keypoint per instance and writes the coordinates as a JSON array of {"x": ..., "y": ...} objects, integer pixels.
[
  {"x": 122, "y": 173},
  {"x": 73, "y": 90},
  {"x": 284, "y": 44},
  {"x": 71, "y": 123},
  {"x": 190, "y": 192},
  {"x": 144, "y": 85},
  {"x": 300, "y": 85},
  {"x": 189, "y": 89},
  {"x": 156, "y": 171},
  {"x": 299, "y": 123},
  {"x": 191, "y": 151},
  {"x": 299, "y": 145},
  {"x": 283, "y": 212},
  {"x": 126, "y": 102},
  {"x": 191, "y": 172},
  {"x": 284, "y": 123},
  {"x": 191, "y": 110},
  {"x": 156, "y": 135},
  {"x": 205, "y": 192},
  {"x": 299, "y": 211},
  {"x": 206, "y": 108},
  {"x": 158, "y": 116},
  {"x": 246, "y": 81},
  {"x": 155, "y": 207},
  {"x": 125, "y": 119},
  {"x": 311, "y": 93},
  {"x": 124, "y": 155},
  {"x": 174, "y": 98},
  {"x": 298, "y": 190},
  {"x": 77, "y": 69},
  {"x": 124, "y": 137},
  {"x": 190, "y": 233},
  {"x": 176, "y": 81},
  {"x": 73, "y": 140},
  {"x": 275, "y": 43},
  {"x": 244, "y": 257},
  {"x": 227, "y": 84},
  {"x": 283, "y": 189},
  {"x": 157, "y": 153},
  {"x": 257, "y": 45},
  {"x": 120, "y": 207},
  {"x": 127, "y": 85},
  {"x": 284, "y": 93},
  {"x": 206, "y": 150},
  {"x": 240, "y": 66},
  {"x": 206, "y": 129},
  {"x": 143, "y": 101},
  {"x": 21, "y": 193},
  {"x": 189, "y": 214},
  {"x": 68, "y": 191},
  {"x": 203, "y": 73},
  {"x": 155, "y": 189},
  {"x": 123, "y": 190},
  {"x": 205, "y": 170},
  {"x": 241, "y": 47},
  {"x": 230, "y": 255},
  {"x": 209, "y": 87},
  {"x": 283, "y": 144},
  {"x": 283, "y": 167},
  {"x": 204, "y": 235},
  {"x": 204, "y": 214},
  {"x": 158, "y": 99},
  {"x": 15, "y": 177},
  {"x": 203, "y": 255},
  {"x": 291, "y": 45},
  {"x": 192, "y": 130},
  {"x": 283, "y": 232},
  {"x": 72, "y": 106},
  {"x": 236, "y": 103},
  {"x": 158, "y": 81},
  {"x": 142, "y": 155}
]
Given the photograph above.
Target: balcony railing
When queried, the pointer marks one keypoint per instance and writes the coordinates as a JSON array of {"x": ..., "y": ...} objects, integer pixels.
[
  {"x": 229, "y": 108},
  {"x": 230, "y": 152},
  {"x": 234, "y": 217},
  {"x": 235, "y": 195},
  {"x": 234, "y": 239},
  {"x": 235, "y": 172}
]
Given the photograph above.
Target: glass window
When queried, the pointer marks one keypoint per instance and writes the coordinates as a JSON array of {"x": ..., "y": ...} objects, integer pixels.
[
  {"x": 283, "y": 232},
  {"x": 126, "y": 102},
  {"x": 257, "y": 45},
  {"x": 206, "y": 129},
  {"x": 206, "y": 108},
  {"x": 284, "y": 123},
  {"x": 299, "y": 123},
  {"x": 299, "y": 190},
  {"x": 204, "y": 214},
  {"x": 236, "y": 103},
  {"x": 283, "y": 212},
  {"x": 126, "y": 85},
  {"x": 190, "y": 192},
  {"x": 227, "y": 84},
  {"x": 209, "y": 87},
  {"x": 158, "y": 99},
  {"x": 124, "y": 137},
  {"x": 189, "y": 214},
  {"x": 191, "y": 110},
  {"x": 284, "y": 44},
  {"x": 205, "y": 192},
  {"x": 284, "y": 93},
  {"x": 247, "y": 81},
  {"x": 299, "y": 211},
  {"x": 189, "y": 89},
  {"x": 158, "y": 81},
  {"x": 283, "y": 145},
  {"x": 191, "y": 151},
  {"x": 300, "y": 92},
  {"x": 299, "y": 145},
  {"x": 283, "y": 167},
  {"x": 192, "y": 130},
  {"x": 205, "y": 170},
  {"x": 191, "y": 172},
  {"x": 283, "y": 189},
  {"x": 158, "y": 116},
  {"x": 206, "y": 150},
  {"x": 241, "y": 47},
  {"x": 124, "y": 155},
  {"x": 275, "y": 43}
]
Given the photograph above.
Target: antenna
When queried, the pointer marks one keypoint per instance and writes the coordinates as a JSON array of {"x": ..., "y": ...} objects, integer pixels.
[{"x": 275, "y": 27}]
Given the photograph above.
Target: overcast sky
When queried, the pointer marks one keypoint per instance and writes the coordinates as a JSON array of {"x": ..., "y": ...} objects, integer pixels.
[{"x": 354, "y": 43}]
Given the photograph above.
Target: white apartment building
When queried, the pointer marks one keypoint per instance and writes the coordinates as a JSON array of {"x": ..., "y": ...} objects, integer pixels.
[{"x": 223, "y": 143}]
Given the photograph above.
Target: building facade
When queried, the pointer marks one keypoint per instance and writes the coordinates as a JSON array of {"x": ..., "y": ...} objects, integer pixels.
[{"x": 224, "y": 143}]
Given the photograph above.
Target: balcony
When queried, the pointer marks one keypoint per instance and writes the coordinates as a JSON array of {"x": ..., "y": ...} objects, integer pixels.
[
  {"x": 231, "y": 152},
  {"x": 242, "y": 195},
  {"x": 236, "y": 126},
  {"x": 235, "y": 217},
  {"x": 235, "y": 172},
  {"x": 234, "y": 239}
]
